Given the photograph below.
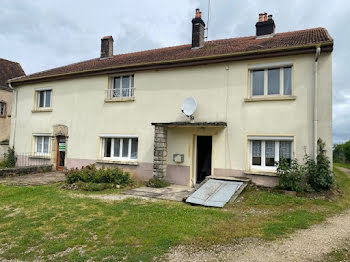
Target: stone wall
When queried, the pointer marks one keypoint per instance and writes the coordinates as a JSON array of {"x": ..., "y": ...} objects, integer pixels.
[
  {"x": 24, "y": 170},
  {"x": 160, "y": 154},
  {"x": 3, "y": 150}
]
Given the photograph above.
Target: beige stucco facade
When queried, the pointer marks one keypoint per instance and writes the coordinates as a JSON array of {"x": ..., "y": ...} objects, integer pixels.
[
  {"x": 5, "y": 122},
  {"x": 220, "y": 91}
]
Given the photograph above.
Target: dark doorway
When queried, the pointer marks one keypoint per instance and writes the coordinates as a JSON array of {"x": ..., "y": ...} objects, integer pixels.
[
  {"x": 204, "y": 147},
  {"x": 61, "y": 152}
]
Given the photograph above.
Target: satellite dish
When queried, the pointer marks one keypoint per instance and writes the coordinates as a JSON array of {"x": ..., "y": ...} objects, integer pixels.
[{"x": 189, "y": 106}]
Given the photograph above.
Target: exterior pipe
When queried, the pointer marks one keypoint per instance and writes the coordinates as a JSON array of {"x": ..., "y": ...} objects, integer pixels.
[{"x": 317, "y": 55}]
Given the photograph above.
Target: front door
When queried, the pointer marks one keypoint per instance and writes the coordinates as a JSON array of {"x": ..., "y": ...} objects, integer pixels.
[
  {"x": 61, "y": 152},
  {"x": 204, "y": 148}
]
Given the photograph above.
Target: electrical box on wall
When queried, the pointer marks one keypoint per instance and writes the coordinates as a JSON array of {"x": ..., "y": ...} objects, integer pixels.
[{"x": 178, "y": 158}]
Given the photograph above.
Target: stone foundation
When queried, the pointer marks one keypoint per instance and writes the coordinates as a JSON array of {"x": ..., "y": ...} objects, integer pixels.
[{"x": 160, "y": 152}]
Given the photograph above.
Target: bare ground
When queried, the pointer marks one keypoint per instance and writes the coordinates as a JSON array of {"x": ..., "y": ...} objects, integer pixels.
[
  {"x": 304, "y": 245},
  {"x": 34, "y": 179}
]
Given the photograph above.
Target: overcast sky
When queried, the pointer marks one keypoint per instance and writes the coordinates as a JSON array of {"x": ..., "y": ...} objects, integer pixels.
[{"x": 44, "y": 34}]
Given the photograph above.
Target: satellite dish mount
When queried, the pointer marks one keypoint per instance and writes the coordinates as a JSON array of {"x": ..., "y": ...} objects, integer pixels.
[{"x": 189, "y": 107}]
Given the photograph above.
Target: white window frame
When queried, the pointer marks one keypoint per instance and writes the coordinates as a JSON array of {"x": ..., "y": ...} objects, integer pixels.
[
  {"x": 122, "y": 138},
  {"x": 266, "y": 67},
  {"x": 42, "y": 153},
  {"x": 38, "y": 91},
  {"x": 263, "y": 139},
  {"x": 131, "y": 88}
]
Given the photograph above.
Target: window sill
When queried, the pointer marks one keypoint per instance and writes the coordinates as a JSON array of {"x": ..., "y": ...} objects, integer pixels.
[
  {"x": 272, "y": 98},
  {"x": 261, "y": 173},
  {"x": 42, "y": 110},
  {"x": 120, "y": 99},
  {"x": 40, "y": 157},
  {"x": 118, "y": 162}
]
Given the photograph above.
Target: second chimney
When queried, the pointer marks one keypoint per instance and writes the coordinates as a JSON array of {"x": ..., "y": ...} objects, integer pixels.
[
  {"x": 198, "y": 26},
  {"x": 265, "y": 25},
  {"x": 107, "y": 46}
]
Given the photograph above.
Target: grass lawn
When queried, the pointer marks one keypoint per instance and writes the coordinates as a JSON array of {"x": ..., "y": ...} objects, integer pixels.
[{"x": 47, "y": 223}]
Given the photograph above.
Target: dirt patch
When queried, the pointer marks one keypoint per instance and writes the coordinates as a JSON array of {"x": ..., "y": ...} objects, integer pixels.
[{"x": 34, "y": 179}]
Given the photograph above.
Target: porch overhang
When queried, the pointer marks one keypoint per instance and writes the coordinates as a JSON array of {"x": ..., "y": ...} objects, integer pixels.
[{"x": 191, "y": 124}]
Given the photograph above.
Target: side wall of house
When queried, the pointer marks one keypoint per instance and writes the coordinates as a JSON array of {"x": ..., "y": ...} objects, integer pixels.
[
  {"x": 5, "y": 122},
  {"x": 220, "y": 91}
]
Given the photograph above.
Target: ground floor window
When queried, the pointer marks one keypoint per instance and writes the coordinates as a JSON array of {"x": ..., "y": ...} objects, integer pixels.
[
  {"x": 42, "y": 145},
  {"x": 119, "y": 148},
  {"x": 266, "y": 152}
]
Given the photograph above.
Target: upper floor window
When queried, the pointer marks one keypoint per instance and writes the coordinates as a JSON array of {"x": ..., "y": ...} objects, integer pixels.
[
  {"x": 271, "y": 80},
  {"x": 122, "y": 87},
  {"x": 266, "y": 152},
  {"x": 43, "y": 98},
  {"x": 119, "y": 148},
  {"x": 2, "y": 109}
]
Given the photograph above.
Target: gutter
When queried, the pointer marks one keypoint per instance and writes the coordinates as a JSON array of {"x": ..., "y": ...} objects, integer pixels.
[
  {"x": 317, "y": 55},
  {"x": 246, "y": 55}
]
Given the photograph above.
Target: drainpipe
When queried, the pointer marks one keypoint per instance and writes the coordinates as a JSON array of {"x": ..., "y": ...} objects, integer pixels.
[
  {"x": 13, "y": 114},
  {"x": 317, "y": 55}
]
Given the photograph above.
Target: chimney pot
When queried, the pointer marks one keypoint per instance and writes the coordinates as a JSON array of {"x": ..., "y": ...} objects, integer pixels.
[
  {"x": 107, "y": 46},
  {"x": 265, "y": 16},
  {"x": 261, "y": 17},
  {"x": 269, "y": 17},
  {"x": 198, "y": 26}
]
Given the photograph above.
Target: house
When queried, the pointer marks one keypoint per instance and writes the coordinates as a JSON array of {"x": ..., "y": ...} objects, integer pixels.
[
  {"x": 8, "y": 70},
  {"x": 259, "y": 98}
]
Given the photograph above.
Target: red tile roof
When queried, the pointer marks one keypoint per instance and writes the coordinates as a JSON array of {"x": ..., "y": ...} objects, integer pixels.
[
  {"x": 225, "y": 47},
  {"x": 8, "y": 70}
]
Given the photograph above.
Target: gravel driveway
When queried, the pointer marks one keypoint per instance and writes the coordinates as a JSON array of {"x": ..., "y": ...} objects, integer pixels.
[
  {"x": 304, "y": 245},
  {"x": 34, "y": 179}
]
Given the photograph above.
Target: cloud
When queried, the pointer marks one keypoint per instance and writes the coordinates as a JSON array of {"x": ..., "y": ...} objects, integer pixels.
[{"x": 44, "y": 34}]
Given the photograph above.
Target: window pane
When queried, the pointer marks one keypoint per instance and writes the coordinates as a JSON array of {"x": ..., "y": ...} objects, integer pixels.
[
  {"x": 41, "y": 98},
  {"x": 286, "y": 150},
  {"x": 258, "y": 82},
  {"x": 46, "y": 144},
  {"x": 256, "y": 154},
  {"x": 125, "y": 147},
  {"x": 48, "y": 98},
  {"x": 134, "y": 148},
  {"x": 107, "y": 147},
  {"x": 117, "y": 147},
  {"x": 273, "y": 81},
  {"x": 39, "y": 144},
  {"x": 125, "y": 85},
  {"x": 287, "y": 81},
  {"x": 116, "y": 91},
  {"x": 2, "y": 109},
  {"x": 270, "y": 153}
]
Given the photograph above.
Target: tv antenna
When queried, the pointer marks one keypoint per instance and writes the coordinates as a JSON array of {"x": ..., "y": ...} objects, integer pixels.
[{"x": 207, "y": 29}]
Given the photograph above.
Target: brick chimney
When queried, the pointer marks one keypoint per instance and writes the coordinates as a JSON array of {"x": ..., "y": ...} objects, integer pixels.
[
  {"x": 198, "y": 26},
  {"x": 107, "y": 46},
  {"x": 265, "y": 25}
]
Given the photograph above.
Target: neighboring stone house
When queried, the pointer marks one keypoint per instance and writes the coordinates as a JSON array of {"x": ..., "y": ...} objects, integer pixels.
[
  {"x": 8, "y": 70},
  {"x": 259, "y": 98}
]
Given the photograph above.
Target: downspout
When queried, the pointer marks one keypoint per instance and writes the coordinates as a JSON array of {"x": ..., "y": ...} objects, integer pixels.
[
  {"x": 13, "y": 114},
  {"x": 317, "y": 55}
]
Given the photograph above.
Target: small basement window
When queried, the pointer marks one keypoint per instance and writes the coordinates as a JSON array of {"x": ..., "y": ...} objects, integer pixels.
[
  {"x": 266, "y": 152},
  {"x": 43, "y": 98},
  {"x": 42, "y": 145},
  {"x": 121, "y": 87},
  {"x": 271, "y": 80},
  {"x": 119, "y": 148}
]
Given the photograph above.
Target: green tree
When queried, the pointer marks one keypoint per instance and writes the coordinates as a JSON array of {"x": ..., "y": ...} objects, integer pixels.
[{"x": 346, "y": 151}]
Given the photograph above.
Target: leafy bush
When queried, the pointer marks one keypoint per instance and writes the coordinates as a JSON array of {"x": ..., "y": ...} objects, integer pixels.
[
  {"x": 157, "y": 183},
  {"x": 320, "y": 175},
  {"x": 90, "y": 174},
  {"x": 10, "y": 159},
  {"x": 316, "y": 175},
  {"x": 292, "y": 176}
]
